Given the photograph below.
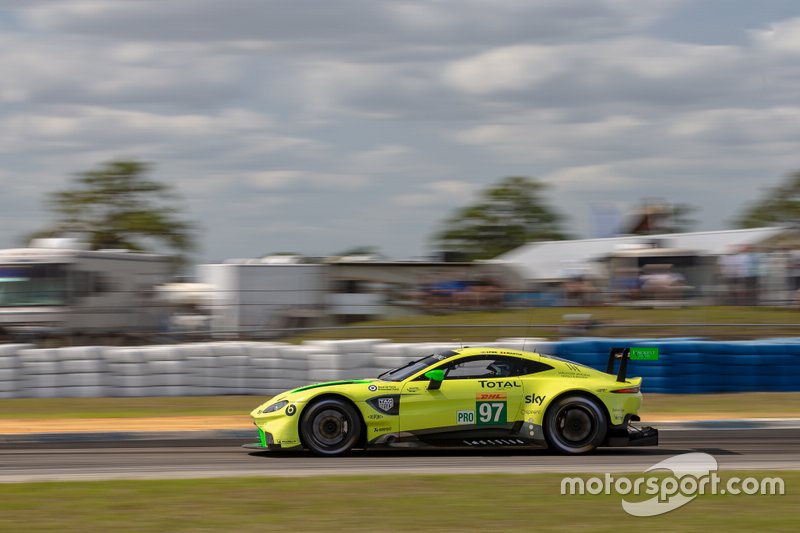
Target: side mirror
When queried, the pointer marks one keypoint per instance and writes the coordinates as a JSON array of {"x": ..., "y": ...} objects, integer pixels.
[{"x": 436, "y": 377}]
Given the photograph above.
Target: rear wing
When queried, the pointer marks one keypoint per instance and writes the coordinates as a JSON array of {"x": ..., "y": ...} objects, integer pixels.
[
  {"x": 649, "y": 353},
  {"x": 618, "y": 353}
]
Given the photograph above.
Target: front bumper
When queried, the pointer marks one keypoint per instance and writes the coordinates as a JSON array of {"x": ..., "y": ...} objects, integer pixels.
[
  {"x": 267, "y": 442},
  {"x": 627, "y": 435}
]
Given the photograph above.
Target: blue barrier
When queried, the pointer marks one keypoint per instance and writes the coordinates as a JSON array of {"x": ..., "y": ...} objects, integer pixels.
[{"x": 691, "y": 365}]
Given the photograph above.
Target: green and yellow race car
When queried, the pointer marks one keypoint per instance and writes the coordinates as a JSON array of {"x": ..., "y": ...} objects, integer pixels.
[{"x": 466, "y": 397}]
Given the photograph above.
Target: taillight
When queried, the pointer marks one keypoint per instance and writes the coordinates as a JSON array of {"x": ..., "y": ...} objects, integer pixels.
[{"x": 629, "y": 390}]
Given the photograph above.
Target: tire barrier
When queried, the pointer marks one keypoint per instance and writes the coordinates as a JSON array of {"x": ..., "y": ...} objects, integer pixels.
[
  {"x": 697, "y": 366},
  {"x": 685, "y": 365}
]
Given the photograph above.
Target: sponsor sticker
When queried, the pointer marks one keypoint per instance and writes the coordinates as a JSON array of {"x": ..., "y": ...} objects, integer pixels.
[
  {"x": 465, "y": 417},
  {"x": 373, "y": 388},
  {"x": 491, "y": 396},
  {"x": 485, "y": 384},
  {"x": 385, "y": 404},
  {"x": 291, "y": 409},
  {"x": 533, "y": 398},
  {"x": 649, "y": 353},
  {"x": 491, "y": 408}
]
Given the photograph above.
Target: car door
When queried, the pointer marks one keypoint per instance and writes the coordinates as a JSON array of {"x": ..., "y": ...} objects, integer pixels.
[{"x": 477, "y": 396}]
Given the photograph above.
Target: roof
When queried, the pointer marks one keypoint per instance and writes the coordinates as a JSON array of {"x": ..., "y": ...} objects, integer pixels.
[
  {"x": 53, "y": 255},
  {"x": 552, "y": 260}
]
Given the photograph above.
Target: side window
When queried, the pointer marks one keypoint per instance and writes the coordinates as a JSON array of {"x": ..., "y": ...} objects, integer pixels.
[
  {"x": 490, "y": 366},
  {"x": 470, "y": 368},
  {"x": 525, "y": 367}
]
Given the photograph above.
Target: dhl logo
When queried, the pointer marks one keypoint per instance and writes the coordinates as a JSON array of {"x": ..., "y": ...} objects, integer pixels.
[{"x": 490, "y": 396}]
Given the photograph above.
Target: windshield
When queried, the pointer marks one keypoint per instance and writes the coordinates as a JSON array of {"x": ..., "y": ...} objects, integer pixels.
[
  {"x": 32, "y": 284},
  {"x": 412, "y": 367}
]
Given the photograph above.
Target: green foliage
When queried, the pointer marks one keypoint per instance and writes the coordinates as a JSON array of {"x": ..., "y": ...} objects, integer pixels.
[
  {"x": 506, "y": 215},
  {"x": 779, "y": 206},
  {"x": 116, "y": 206},
  {"x": 682, "y": 218}
]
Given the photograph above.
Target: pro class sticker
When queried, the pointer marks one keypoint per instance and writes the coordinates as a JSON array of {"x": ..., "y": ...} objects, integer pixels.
[{"x": 465, "y": 417}]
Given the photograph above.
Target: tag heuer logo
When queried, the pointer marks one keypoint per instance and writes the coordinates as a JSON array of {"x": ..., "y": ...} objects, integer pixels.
[{"x": 385, "y": 404}]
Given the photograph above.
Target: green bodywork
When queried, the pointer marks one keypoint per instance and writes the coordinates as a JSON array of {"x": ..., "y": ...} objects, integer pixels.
[{"x": 421, "y": 408}]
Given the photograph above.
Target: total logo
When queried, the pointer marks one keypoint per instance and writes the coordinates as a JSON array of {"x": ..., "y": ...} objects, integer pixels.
[{"x": 485, "y": 384}]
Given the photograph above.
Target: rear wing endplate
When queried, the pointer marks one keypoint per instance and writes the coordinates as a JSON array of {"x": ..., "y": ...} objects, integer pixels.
[
  {"x": 642, "y": 353},
  {"x": 618, "y": 353}
]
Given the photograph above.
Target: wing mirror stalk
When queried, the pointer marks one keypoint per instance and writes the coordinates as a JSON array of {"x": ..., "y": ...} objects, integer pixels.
[{"x": 436, "y": 377}]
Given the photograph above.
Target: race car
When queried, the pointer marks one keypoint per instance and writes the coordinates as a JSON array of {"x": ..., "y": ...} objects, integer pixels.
[{"x": 466, "y": 397}]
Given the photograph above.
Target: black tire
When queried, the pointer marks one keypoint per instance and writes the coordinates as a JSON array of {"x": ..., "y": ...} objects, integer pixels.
[
  {"x": 575, "y": 425},
  {"x": 330, "y": 427}
]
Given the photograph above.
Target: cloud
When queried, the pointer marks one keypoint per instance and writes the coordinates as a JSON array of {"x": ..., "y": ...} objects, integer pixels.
[
  {"x": 504, "y": 69},
  {"x": 780, "y": 37},
  {"x": 377, "y": 24},
  {"x": 369, "y": 121},
  {"x": 80, "y": 71},
  {"x": 297, "y": 179},
  {"x": 547, "y": 137},
  {"x": 436, "y": 193}
]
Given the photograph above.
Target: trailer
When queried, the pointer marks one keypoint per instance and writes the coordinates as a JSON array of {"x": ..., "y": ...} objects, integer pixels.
[
  {"x": 251, "y": 298},
  {"x": 59, "y": 288}
]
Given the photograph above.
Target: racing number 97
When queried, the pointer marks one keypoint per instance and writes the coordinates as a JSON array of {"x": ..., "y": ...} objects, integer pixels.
[{"x": 491, "y": 413}]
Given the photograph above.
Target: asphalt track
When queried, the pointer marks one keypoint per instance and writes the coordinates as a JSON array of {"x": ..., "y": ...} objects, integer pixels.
[{"x": 749, "y": 449}]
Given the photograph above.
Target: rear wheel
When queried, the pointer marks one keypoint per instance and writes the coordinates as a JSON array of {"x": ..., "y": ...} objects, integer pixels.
[
  {"x": 575, "y": 424},
  {"x": 330, "y": 427}
]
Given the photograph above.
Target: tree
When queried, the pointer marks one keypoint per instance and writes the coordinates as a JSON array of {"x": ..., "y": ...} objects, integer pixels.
[
  {"x": 780, "y": 205},
  {"x": 682, "y": 218},
  {"x": 507, "y": 215},
  {"x": 116, "y": 206}
]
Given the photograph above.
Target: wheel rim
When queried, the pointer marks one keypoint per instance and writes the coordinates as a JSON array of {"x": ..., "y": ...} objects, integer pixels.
[
  {"x": 330, "y": 428},
  {"x": 575, "y": 425}
]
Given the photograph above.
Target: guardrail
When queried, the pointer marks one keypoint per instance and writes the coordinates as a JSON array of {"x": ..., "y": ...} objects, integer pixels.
[{"x": 264, "y": 368}]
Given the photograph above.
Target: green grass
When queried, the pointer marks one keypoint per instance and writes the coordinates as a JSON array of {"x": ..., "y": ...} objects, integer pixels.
[
  {"x": 748, "y": 404},
  {"x": 372, "y": 504},
  {"x": 617, "y": 322}
]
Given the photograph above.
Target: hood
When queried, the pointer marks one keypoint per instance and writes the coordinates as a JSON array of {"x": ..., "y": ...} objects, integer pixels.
[{"x": 332, "y": 384}]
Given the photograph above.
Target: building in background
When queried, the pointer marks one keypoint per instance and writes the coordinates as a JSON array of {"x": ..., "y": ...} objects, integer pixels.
[{"x": 621, "y": 265}]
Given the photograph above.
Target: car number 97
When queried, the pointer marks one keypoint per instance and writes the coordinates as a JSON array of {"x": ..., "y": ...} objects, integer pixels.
[{"x": 491, "y": 412}]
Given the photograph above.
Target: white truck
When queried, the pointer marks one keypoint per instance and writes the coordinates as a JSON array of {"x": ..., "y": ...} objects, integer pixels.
[{"x": 58, "y": 288}]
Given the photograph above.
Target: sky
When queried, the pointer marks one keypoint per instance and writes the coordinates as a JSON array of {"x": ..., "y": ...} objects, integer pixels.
[{"x": 315, "y": 126}]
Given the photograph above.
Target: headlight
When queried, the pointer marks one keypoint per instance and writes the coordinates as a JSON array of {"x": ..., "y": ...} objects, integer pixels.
[{"x": 275, "y": 407}]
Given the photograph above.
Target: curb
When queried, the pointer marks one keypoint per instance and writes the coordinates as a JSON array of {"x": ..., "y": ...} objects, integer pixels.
[{"x": 203, "y": 437}]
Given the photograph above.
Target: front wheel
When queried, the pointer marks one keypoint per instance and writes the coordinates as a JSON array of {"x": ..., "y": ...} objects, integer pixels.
[
  {"x": 330, "y": 427},
  {"x": 575, "y": 424}
]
